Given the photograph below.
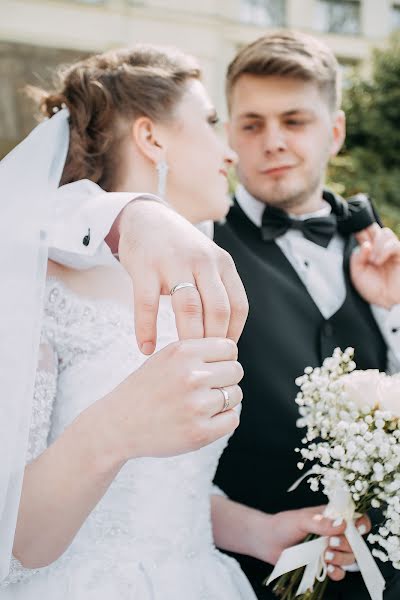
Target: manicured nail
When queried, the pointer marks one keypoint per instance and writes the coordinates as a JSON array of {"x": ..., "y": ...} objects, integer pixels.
[
  {"x": 329, "y": 555},
  {"x": 330, "y": 568},
  {"x": 318, "y": 517},
  {"x": 337, "y": 522},
  {"x": 362, "y": 529},
  {"x": 334, "y": 542},
  {"x": 147, "y": 348}
]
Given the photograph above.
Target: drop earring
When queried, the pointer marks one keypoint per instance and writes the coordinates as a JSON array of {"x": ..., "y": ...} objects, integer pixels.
[{"x": 162, "y": 171}]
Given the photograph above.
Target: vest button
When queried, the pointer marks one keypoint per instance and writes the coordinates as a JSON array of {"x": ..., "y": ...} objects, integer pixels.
[{"x": 328, "y": 329}]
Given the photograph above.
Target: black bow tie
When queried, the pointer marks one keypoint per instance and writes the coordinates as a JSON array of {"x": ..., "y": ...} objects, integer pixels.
[
  {"x": 346, "y": 217},
  {"x": 276, "y": 222}
]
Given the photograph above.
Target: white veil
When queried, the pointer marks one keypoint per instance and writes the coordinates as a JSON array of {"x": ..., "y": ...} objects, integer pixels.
[{"x": 29, "y": 176}]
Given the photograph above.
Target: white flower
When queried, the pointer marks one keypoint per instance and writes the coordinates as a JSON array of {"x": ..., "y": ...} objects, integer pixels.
[
  {"x": 390, "y": 395},
  {"x": 338, "y": 452},
  {"x": 379, "y": 554},
  {"x": 363, "y": 388},
  {"x": 352, "y": 434}
]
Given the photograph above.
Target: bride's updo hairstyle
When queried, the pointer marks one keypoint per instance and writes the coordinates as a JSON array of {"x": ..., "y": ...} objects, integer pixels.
[{"x": 105, "y": 94}]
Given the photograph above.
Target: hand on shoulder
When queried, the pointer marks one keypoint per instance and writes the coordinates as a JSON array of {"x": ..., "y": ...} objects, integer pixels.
[{"x": 375, "y": 266}]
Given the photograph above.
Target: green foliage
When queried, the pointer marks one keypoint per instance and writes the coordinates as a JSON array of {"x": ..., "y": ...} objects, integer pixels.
[{"x": 370, "y": 161}]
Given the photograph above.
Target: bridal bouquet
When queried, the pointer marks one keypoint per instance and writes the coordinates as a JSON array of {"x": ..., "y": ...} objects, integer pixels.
[{"x": 352, "y": 440}]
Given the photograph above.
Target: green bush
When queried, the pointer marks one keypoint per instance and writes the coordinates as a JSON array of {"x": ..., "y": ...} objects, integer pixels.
[{"x": 370, "y": 160}]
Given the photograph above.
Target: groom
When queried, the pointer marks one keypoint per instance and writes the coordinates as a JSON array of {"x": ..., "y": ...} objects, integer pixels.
[{"x": 294, "y": 247}]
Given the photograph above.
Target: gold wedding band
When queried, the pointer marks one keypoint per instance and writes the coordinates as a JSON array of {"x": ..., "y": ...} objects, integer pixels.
[
  {"x": 226, "y": 399},
  {"x": 181, "y": 286}
]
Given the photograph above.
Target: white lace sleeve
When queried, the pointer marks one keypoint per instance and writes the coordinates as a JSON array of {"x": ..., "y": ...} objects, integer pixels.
[{"x": 43, "y": 400}]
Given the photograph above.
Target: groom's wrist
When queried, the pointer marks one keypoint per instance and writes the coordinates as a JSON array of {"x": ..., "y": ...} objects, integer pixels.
[{"x": 127, "y": 217}]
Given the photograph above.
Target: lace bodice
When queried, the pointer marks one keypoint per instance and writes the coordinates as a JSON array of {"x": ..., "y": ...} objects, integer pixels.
[{"x": 156, "y": 513}]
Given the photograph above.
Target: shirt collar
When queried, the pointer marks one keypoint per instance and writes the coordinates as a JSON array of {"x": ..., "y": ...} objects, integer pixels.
[{"x": 254, "y": 208}]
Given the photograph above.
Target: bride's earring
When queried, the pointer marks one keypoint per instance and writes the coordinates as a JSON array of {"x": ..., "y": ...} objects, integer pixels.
[{"x": 162, "y": 171}]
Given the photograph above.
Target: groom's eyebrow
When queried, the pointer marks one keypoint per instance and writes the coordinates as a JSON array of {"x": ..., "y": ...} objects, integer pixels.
[
  {"x": 251, "y": 115},
  {"x": 287, "y": 113},
  {"x": 298, "y": 111}
]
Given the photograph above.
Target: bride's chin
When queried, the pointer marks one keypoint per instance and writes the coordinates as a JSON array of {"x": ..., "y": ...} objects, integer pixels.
[
  {"x": 221, "y": 210},
  {"x": 214, "y": 213}
]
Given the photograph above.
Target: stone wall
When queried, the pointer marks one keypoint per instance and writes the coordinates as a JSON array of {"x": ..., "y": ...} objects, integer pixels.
[{"x": 22, "y": 64}]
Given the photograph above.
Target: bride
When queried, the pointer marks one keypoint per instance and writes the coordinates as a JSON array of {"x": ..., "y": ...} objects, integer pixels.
[{"x": 105, "y": 514}]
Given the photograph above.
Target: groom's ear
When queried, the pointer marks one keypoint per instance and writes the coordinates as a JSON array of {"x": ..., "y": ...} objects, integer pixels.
[{"x": 338, "y": 132}]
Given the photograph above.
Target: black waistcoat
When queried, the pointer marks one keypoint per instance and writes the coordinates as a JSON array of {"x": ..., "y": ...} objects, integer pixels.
[{"x": 285, "y": 332}]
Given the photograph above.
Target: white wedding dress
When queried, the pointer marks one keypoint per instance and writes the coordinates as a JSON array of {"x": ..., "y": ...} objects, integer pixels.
[{"x": 150, "y": 537}]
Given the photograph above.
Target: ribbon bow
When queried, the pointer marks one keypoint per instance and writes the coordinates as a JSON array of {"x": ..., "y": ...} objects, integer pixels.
[{"x": 311, "y": 554}]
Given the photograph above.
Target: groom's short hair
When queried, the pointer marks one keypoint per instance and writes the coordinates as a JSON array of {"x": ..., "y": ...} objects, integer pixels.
[{"x": 291, "y": 54}]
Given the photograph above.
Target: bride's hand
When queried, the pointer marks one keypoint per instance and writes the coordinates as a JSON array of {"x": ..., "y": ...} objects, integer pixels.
[
  {"x": 168, "y": 406},
  {"x": 160, "y": 249},
  {"x": 292, "y": 527},
  {"x": 172, "y": 404}
]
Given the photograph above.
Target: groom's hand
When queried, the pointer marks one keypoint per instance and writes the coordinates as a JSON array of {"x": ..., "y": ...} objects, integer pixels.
[
  {"x": 375, "y": 266},
  {"x": 161, "y": 249}
]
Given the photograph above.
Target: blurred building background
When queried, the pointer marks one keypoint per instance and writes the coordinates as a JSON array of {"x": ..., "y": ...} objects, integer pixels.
[{"x": 37, "y": 35}]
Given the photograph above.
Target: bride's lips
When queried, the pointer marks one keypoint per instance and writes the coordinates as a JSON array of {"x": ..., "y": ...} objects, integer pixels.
[{"x": 223, "y": 172}]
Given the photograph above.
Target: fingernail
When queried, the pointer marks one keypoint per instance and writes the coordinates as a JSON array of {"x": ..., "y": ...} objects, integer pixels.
[
  {"x": 362, "y": 529},
  {"x": 318, "y": 517},
  {"x": 147, "y": 348},
  {"x": 334, "y": 542},
  {"x": 330, "y": 568},
  {"x": 337, "y": 522},
  {"x": 329, "y": 555}
]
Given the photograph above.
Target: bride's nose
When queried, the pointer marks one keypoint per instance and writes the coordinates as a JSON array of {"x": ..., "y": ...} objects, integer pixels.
[{"x": 230, "y": 156}]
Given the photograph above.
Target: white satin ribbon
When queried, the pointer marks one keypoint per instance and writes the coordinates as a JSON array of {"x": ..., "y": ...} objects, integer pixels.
[{"x": 311, "y": 554}]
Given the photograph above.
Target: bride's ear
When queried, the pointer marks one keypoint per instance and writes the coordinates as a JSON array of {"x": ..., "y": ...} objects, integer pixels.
[{"x": 148, "y": 138}]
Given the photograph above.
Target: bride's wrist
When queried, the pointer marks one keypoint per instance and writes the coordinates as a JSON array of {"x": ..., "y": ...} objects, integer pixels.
[
  {"x": 259, "y": 536},
  {"x": 103, "y": 439},
  {"x": 122, "y": 436}
]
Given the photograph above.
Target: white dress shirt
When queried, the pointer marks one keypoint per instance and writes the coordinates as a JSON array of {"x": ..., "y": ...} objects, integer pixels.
[
  {"x": 82, "y": 210},
  {"x": 321, "y": 271}
]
